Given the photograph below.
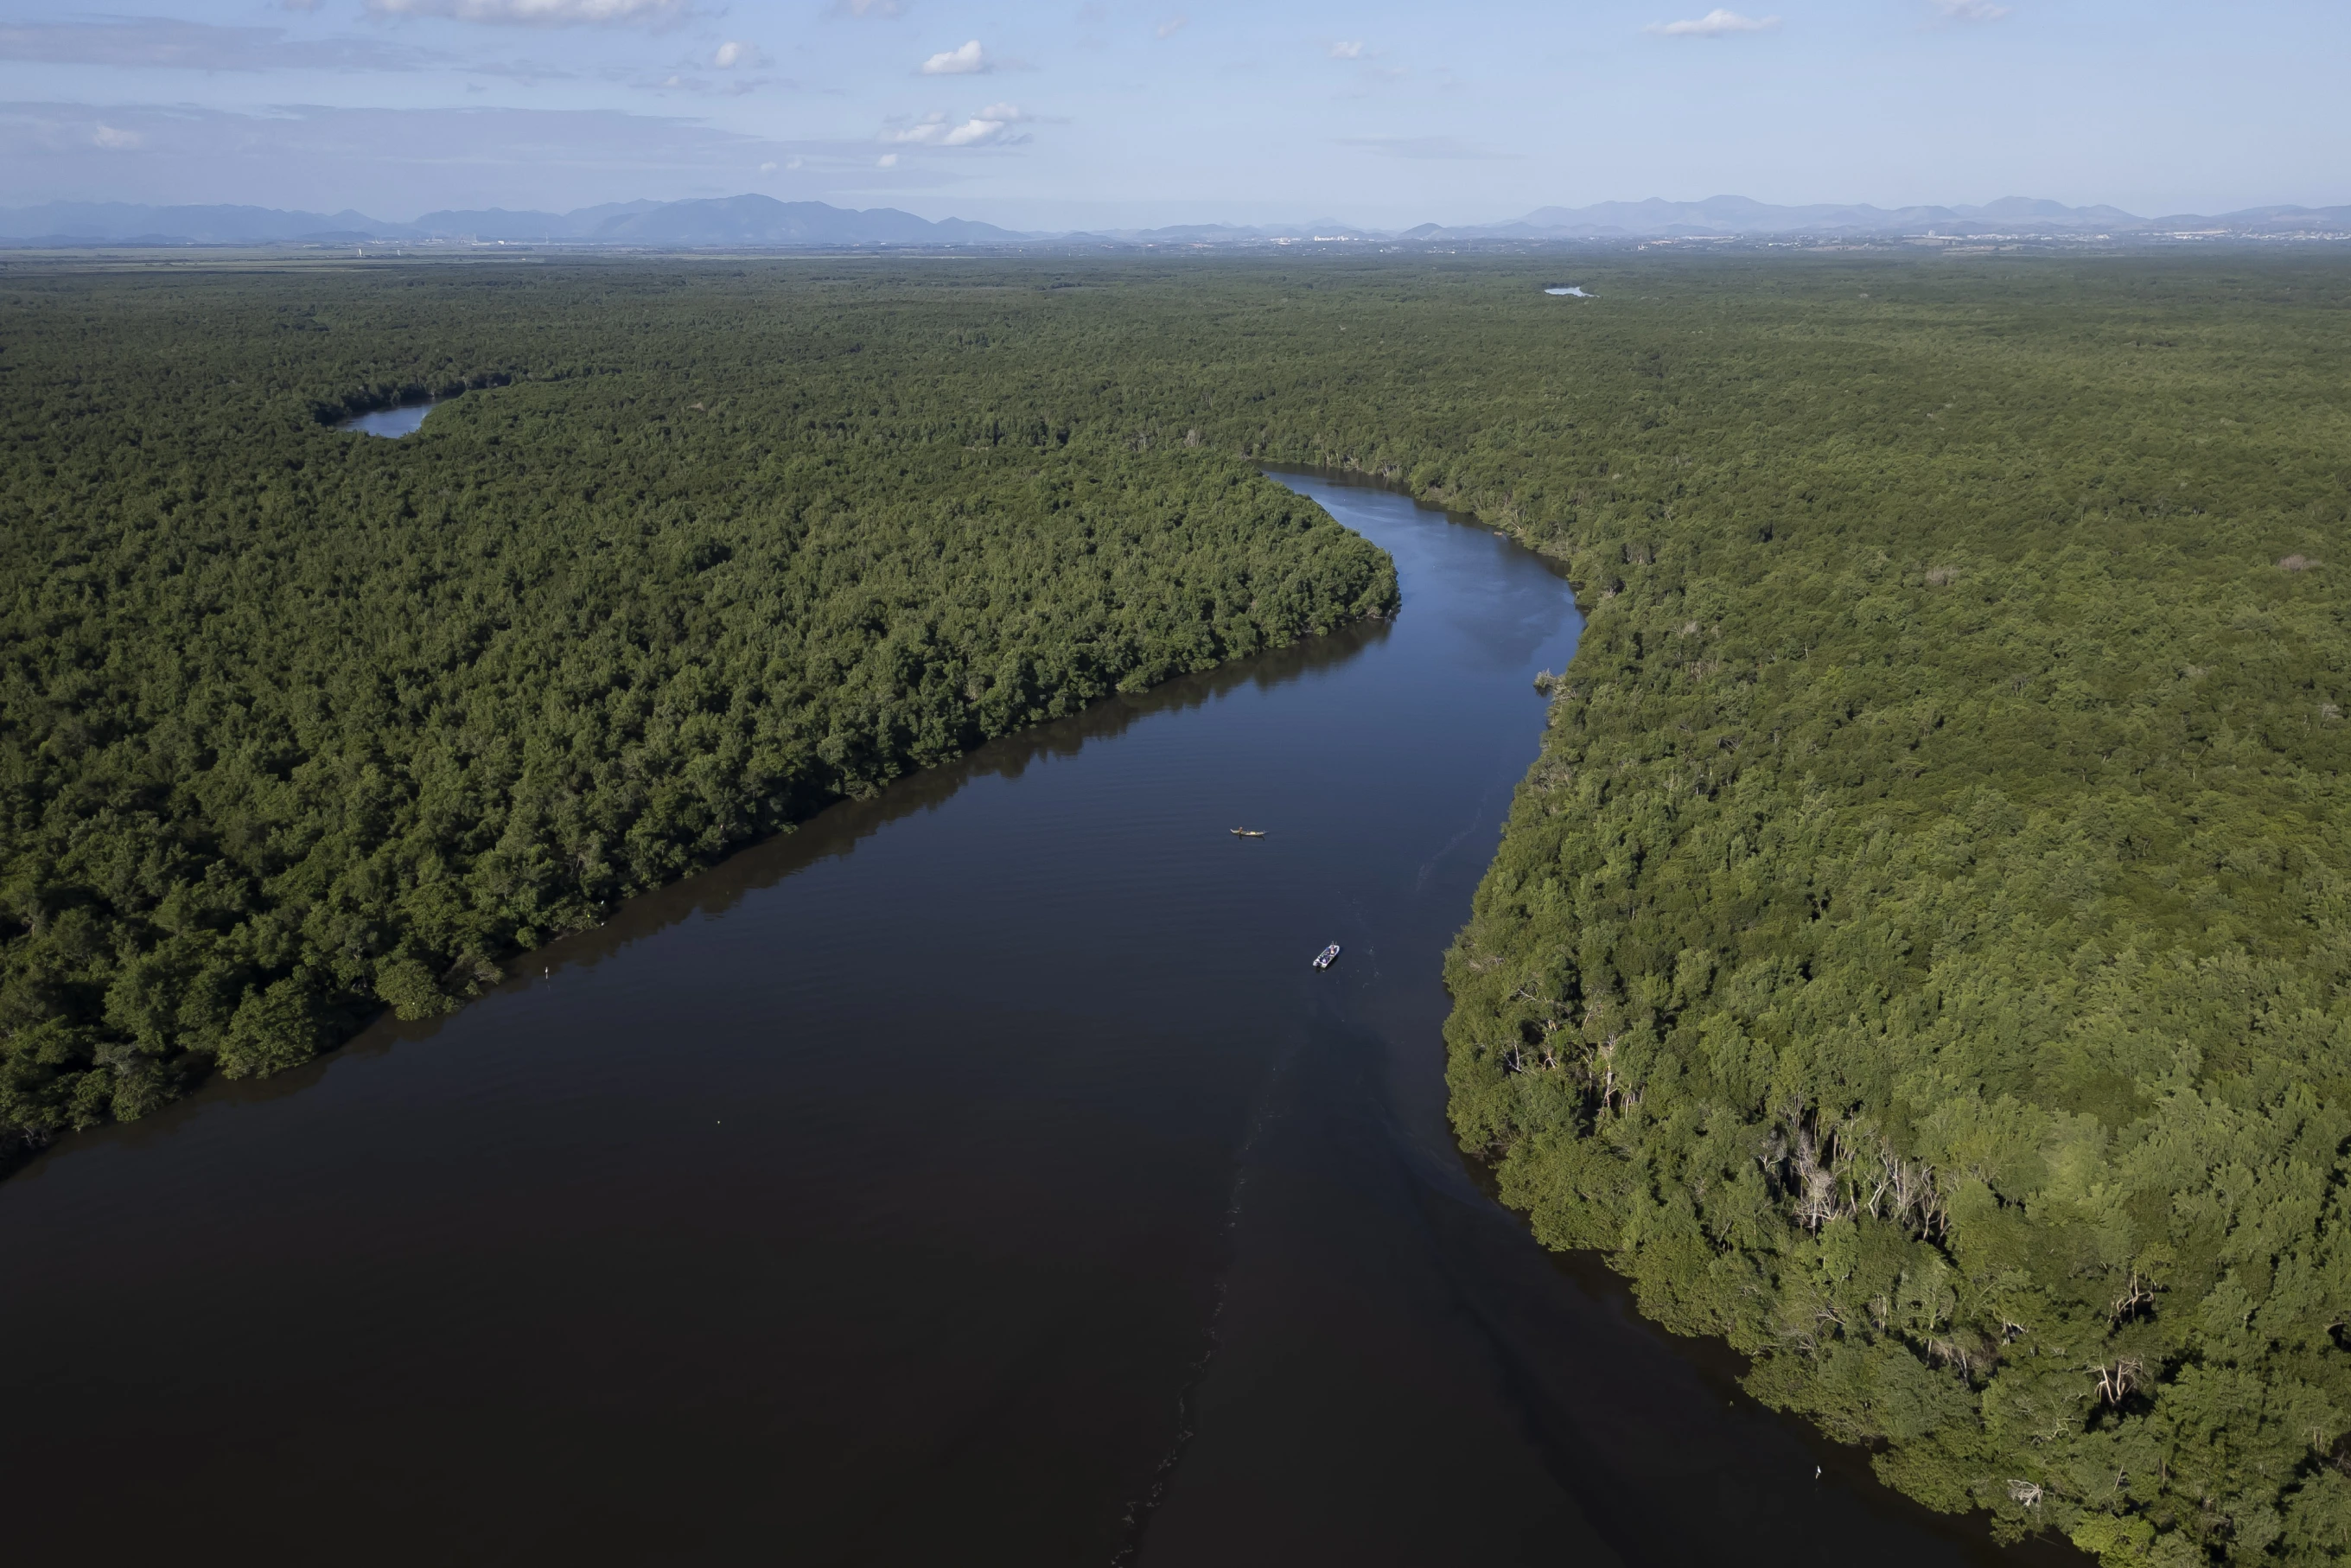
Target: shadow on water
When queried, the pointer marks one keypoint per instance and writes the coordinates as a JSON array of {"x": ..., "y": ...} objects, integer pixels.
[
  {"x": 1844, "y": 1466},
  {"x": 1649, "y": 1432},
  {"x": 836, "y": 831},
  {"x": 833, "y": 834},
  {"x": 1357, "y": 479},
  {"x": 1714, "y": 1372},
  {"x": 976, "y": 1173}
]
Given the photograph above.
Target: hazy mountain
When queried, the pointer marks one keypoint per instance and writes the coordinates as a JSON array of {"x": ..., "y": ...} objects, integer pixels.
[
  {"x": 751, "y": 222},
  {"x": 764, "y": 221},
  {"x": 1235, "y": 234},
  {"x": 2025, "y": 209},
  {"x": 498, "y": 223},
  {"x": 2269, "y": 220},
  {"x": 1743, "y": 216},
  {"x": 723, "y": 221},
  {"x": 756, "y": 221},
  {"x": 122, "y": 221},
  {"x": 1190, "y": 233}
]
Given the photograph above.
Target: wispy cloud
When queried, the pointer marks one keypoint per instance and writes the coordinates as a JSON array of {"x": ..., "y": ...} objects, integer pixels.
[
  {"x": 1967, "y": 11},
  {"x": 1173, "y": 25},
  {"x": 172, "y": 44},
  {"x": 541, "y": 13},
  {"x": 410, "y": 159},
  {"x": 868, "y": 9},
  {"x": 1715, "y": 24},
  {"x": 991, "y": 127},
  {"x": 734, "y": 62},
  {"x": 681, "y": 81},
  {"x": 965, "y": 59},
  {"x": 1442, "y": 148},
  {"x": 1347, "y": 51}
]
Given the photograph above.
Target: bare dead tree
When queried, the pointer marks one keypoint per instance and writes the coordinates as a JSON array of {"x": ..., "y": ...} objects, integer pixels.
[
  {"x": 2115, "y": 1382},
  {"x": 2135, "y": 1293}
]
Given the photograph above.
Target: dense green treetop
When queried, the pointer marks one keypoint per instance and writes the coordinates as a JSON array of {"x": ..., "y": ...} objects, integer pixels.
[
  {"x": 1917, "y": 956},
  {"x": 297, "y": 723}
]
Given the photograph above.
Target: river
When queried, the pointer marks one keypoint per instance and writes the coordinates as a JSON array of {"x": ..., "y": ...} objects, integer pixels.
[{"x": 979, "y": 1173}]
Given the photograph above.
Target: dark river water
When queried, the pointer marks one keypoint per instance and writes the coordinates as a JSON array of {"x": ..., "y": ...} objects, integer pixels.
[{"x": 979, "y": 1173}]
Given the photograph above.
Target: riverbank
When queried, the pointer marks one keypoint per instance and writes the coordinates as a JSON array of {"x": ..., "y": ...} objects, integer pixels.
[
  {"x": 951, "y": 1137},
  {"x": 1925, "y": 899},
  {"x": 595, "y": 633}
]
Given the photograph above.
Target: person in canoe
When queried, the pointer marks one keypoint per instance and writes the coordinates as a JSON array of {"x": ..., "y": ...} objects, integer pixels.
[{"x": 1323, "y": 960}]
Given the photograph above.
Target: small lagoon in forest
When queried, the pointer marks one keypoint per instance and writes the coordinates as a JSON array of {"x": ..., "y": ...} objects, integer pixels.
[{"x": 390, "y": 422}]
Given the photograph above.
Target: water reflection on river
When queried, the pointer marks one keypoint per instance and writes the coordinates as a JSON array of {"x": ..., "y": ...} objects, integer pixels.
[
  {"x": 979, "y": 1173},
  {"x": 405, "y": 420}
]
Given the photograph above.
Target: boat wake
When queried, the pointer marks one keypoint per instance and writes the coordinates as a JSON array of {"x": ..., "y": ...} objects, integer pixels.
[{"x": 1188, "y": 1398}]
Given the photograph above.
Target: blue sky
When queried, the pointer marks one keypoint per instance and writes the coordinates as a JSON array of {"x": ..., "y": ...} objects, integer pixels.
[{"x": 1103, "y": 113}]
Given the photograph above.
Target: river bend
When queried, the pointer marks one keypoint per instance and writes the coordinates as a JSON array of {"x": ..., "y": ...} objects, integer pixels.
[{"x": 979, "y": 1173}]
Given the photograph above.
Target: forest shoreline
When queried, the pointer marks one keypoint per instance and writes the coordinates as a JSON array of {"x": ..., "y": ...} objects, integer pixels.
[
  {"x": 753, "y": 1132},
  {"x": 497, "y": 968},
  {"x": 269, "y": 779},
  {"x": 1930, "y": 893}
]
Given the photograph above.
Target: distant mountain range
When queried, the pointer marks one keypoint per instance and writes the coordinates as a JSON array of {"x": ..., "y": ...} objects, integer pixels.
[
  {"x": 727, "y": 221},
  {"x": 115, "y": 222},
  {"x": 762, "y": 222},
  {"x": 1736, "y": 216}
]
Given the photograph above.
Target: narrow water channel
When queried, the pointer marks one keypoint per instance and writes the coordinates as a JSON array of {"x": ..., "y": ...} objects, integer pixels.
[{"x": 978, "y": 1174}]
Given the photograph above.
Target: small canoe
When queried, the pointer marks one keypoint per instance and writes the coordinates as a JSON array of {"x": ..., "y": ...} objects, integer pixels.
[
  {"x": 1323, "y": 960},
  {"x": 1249, "y": 832}
]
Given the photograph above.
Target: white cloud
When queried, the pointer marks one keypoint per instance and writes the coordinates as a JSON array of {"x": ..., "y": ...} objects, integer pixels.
[
  {"x": 538, "y": 13},
  {"x": 1714, "y": 25},
  {"x": 868, "y": 9},
  {"x": 1170, "y": 27},
  {"x": 735, "y": 64},
  {"x": 1969, "y": 11},
  {"x": 991, "y": 127},
  {"x": 115, "y": 140},
  {"x": 887, "y": 161},
  {"x": 769, "y": 167},
  {"x": 963, "y": 60},
  {"x": 1347, "y": 51}
]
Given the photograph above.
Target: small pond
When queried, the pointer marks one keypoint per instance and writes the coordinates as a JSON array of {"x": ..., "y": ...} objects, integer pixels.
[{"x": 392, "y": 421}]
